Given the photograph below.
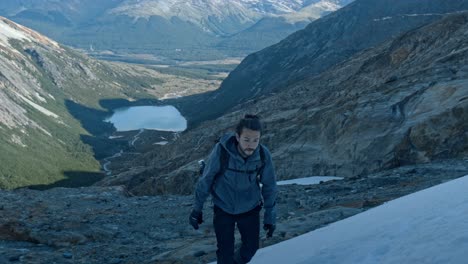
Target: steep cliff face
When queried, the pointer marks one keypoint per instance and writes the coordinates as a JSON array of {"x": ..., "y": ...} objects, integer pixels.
[
  {"x": 403, "y": 102},
  {"x": 40, "y": 82},
  {"x": 324, "y": 43}
]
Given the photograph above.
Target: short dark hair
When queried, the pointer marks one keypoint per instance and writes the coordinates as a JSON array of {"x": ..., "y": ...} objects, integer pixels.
[{"x": 251, "y": 122}]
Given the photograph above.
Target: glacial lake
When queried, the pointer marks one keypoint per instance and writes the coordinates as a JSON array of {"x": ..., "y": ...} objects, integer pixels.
[{"x": 162, "y": 118}]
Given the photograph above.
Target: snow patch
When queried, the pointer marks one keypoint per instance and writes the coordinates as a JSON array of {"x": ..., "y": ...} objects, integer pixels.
[
  {"x": 309, "y": 180},
  {"x": 17, "y": 140},
  {"x": 415, "y": 15},
  {"x": 7, "y": 32},
  {"x": 37, "y": 107},
  {"x": 38, "y": 96},
  {"x": 11, "y": 30},
  {"x": 428, "y": 226},
  {"x": 201, "y": 12},
  {"x": 196, "y": 12}
]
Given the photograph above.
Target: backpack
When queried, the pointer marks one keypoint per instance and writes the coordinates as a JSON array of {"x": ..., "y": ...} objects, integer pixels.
[{"x": 224, "y": 162}]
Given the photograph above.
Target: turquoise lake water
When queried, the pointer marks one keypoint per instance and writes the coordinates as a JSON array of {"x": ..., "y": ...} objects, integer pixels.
[{"x": 162, "y": 118}]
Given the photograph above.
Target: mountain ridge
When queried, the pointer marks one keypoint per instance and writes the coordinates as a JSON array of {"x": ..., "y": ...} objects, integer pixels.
[
  {"x": 382, "y": 108},
  {"x": 170, "y": 29},
  {"x": 322, "y": 44}
]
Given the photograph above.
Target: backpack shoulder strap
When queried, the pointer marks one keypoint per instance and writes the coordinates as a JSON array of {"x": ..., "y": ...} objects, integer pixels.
[
  {"x": 262, "y": 166},
  {"x": 223, "y": 161},
  {"x": 262, "y": 155},
  {"x": 223, "y": 164}
]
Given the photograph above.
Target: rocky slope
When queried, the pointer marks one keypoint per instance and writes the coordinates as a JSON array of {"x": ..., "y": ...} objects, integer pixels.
[
  {"x": 400, "y": 108},
  {"x": 175, "y": 29},
  {"x": 323, "y": 44},
  {"x": 107, "y": 225},
  {"x": 44, "y": 88},
  {"x": 403, "y": 102}
]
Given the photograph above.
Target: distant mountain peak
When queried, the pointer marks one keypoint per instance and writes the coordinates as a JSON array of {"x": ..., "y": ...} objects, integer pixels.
[
  {"x": 194, "y": 11},
  {"x": 312, "y": 12},
  {"x": 174, "y": 29},
  {"x": 202, "y": 12}
]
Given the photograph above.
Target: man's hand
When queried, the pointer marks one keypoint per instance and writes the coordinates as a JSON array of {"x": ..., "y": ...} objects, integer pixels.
[
  {"x": 195, "y": 219},
  {"x": 270, "y": 228}
]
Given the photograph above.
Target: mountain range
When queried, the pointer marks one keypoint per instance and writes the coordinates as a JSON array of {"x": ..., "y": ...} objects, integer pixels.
[
  {"x": 390, "y": 116},
  {"x": 168, "y": 29},
  {"x": 400, "y": 102},
  {"x": 320, "y": 46}
]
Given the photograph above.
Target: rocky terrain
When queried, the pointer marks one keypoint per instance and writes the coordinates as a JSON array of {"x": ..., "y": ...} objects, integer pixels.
[
  {"x": 391, "y": 120},
  {"x": 403, "y": 102},
  {"x": 110, "y": 225},
  {"x": 323, "y": 44}
]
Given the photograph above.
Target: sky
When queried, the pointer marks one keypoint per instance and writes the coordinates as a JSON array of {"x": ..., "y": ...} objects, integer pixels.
[{"x": 429, "y": 226}]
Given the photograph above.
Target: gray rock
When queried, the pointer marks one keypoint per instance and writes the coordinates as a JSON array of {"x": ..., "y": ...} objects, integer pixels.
[
  {"x": 117, "y": 232},
  {"x": 347, "y": 121}
]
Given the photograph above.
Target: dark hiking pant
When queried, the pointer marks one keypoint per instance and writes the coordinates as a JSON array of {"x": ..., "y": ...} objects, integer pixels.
[{"x": 249, "y": 228}]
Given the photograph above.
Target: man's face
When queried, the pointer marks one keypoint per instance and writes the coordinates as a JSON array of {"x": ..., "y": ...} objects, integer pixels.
[{"x": 248, "y": 141}]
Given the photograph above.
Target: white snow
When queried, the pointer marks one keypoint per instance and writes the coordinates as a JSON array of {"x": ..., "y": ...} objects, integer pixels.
[
  {"x": 8, "y": 32},
  {"x": 17, "y": 140},
  {"x": 38, "y": 96},
  {"x": 196, "y": 12},
  {"x": 416, "y": 15},
  {"x": 309, "y": 180},
  {"x": 37, "y": 107},
  {"x": 429, "y": 226},
  {"x": 11, "y": 30},
  {"x": 114, "y": 137},
  {"x": 311, "y": 12},
  {"x": 201, "y": 12}
]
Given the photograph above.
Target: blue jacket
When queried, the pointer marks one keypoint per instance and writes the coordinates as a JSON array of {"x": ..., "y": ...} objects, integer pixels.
[{"x": 238, "y": 192}]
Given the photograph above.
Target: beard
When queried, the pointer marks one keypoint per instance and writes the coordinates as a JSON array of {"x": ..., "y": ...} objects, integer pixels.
[{"x": 245, "y": 152}]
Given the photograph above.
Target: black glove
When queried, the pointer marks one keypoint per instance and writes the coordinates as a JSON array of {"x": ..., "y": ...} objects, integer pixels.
[
  {"x": 195, "y": 219},
  {"x": 270, "y": 228}
]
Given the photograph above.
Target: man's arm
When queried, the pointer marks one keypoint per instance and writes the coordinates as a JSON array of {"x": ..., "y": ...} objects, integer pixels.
[
  {"x": 204, "y": 184},
  {"x": 269, "y": 190}
]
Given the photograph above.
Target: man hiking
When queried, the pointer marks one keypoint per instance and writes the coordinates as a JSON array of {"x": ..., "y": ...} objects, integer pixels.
[{"x": 236, "y": 167}]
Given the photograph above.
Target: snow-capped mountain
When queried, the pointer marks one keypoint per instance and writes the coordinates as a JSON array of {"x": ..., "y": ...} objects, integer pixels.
[
  {"x": 290, "y": 6},
  {"x": 204, "y": 8},
  {"x": 199, "y": 13},
  {"x": 177, "y": 29},
  {"x": 203, "y": 12}
]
